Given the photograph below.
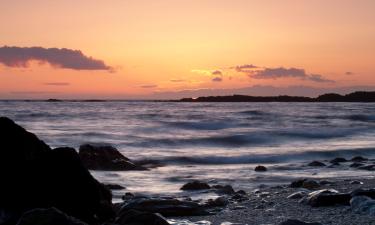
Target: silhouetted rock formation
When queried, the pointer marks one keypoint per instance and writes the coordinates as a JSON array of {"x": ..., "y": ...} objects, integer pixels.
[
  {"x": 353, "y": 97},
  {"x": 105, "y": 158},
  {"x": 34, "y": 176}
]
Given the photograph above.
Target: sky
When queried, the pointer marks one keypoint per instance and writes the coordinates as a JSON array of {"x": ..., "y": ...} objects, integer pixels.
[{"x": 126, "y": 49}]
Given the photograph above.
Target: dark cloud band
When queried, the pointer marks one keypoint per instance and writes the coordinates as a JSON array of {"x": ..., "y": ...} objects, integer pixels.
[{"x": 61, "y": 58}]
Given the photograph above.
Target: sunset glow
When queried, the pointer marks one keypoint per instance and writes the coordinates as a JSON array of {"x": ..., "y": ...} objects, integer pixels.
[{"x": 134, "y": 49}]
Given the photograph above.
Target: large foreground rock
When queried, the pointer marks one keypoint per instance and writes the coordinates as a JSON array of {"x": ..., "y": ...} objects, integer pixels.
[
  {"x": 326, "y": 197},
  {"x": 134, "y": 217},
  {"x": 105, "y": 157},
  {"x": 51, "y": 216},
  {"x": 34, "y": 176},
  {"x": 363, "y": 205},
  {"x": 297, "y": 222}
]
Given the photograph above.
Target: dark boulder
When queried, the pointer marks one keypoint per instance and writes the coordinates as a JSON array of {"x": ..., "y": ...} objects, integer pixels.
[
  {"x": 367, "y": 167},
  {"x": 134, "y": 217},
  {"x": 297, "y": 183},
  {"x": 165, "y": 206},
  {"x": 44, "y": 178},
  {"x": 260, "y": 169},
  {"x": 297, "y": 222},
  {"x": 338, "y": 160},
  {"x": 105, "y": 157},
  {"x": 326, "y": 197},
  {"x": 359, "y": 159},
  {"x": 363, "y": 205},
  {"x": 50, "y": 216},
  {"x": 316, "y": 164},
  {"x": 364, "y": 192},
  {"x": 195, "y": 185},
  {"x": 223, "y": 189}
]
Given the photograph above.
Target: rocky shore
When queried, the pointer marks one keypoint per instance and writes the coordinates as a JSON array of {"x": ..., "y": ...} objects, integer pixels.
[{"x": 44, "y": 186}]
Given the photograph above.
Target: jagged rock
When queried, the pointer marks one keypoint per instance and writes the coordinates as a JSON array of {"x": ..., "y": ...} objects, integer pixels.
[
  {"x": 260, "y": 169},
  {"x": 50, "y": 216},
  {"x": 105, "y": 157},
  {"x": 326, "y": 197},
  {"x": 226, "y": 189},
  {"x": 310, "y": 184},
  {"x": 34, "y": 176},
  {"x": 297, "y": 183},
  {"x": 363, "y": 205},
  {"x": 218, "y": 202},
  {"x": 338, "y": 160},
  {"x": 297, "y": 222},
  {"x": 134, "y": 217},
  {"x": 316, "y": 164},
  {"x": 359, "y": 159},
  {"x": 165, "y": 206},
  {"x": 195, "y": 185},
  {"x": 364, "y": 192}
]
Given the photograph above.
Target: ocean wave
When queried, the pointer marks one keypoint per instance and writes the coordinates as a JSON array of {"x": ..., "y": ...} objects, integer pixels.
[
  {"x": 270, "y": 158},
  {"x": 200, "y": 125}
]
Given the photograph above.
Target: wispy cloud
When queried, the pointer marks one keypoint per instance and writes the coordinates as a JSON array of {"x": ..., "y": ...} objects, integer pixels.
[
  {"x": 149, "y": 86},
  {"x": 57, "y": 84},
  {"x": 349, "y": 73},
  {"x": 256, "y": 72},
  {"x": 60, "y": 58},
  {"x": 177, "y": 80},
  {"x": 217, "y": 73},
  {"x": 217, "y": 79}
]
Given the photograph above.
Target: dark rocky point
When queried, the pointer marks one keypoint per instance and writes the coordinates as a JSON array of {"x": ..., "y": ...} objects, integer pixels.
[
  {"x": 105, "y": 157},
  {"x": 195, "y": 185},
  {"x": 338, "y": 160},
  {"x": 50, "y": 216},
  {"x": 134, "y": 217},
  {"x": 34, "y": 176},
  {"x": 260, "y": 169},
  {"x": 359, "y": 159}
]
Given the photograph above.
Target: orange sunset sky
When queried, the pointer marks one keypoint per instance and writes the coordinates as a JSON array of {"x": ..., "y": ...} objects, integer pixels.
[{"x": 143, "y": 49}]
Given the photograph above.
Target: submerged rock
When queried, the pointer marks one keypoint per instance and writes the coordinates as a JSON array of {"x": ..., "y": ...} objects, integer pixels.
[
  {"x": 297, "y": 222},
  {"x": 359, "y": 159},
  {"x": 316, "y": 164},
  {"x": 34, "y": 176},
  {"x": 363, "y": 205},
  {"x": 310, "y": 184},
  {"x": 326, "y": 197},
  {"x": 195, "y": 185},
  {"x": 260, "y": 169},
  {"x": 165, "y": 206},
  {"x": 223, "y": 189},
  {"x": 115, "y": 187},
  {"x": 105, "y": 157},
  {"x": 218, "y": 202},
  {"x": 367, "y": 167},
  {"x": 364, "y": 192},
  {"x": 297, "y": 183},
  {"x": 338, "y": 160},
  {"x": 134, "y": 217},
  {"x": 356, "y": 165},
  {"x": 50, "y": 216}
]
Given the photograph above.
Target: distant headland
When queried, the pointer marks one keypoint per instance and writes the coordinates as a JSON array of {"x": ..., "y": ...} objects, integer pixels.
[{"x": 359, "y": 96}]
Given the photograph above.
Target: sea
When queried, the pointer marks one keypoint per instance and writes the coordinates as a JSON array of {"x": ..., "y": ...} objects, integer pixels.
[{"x": 219, "y": 143}]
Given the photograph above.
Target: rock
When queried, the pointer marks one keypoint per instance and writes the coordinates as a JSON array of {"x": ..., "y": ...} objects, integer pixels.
[
  {"x": 297, "y": 195},
  {"x": 41, "y": 178},
  {"x": 260, "y": 169},
  {"x": 297, "y": 183},
  {"x": 310, "y": 184},
  {"x": 316, "y": 164},
  {"x": 165, "y": 206},
  {"x": 356, "y": 165},
  {"x": 115, "y": 187},
  {"x": 364, "y": 192},
  {"x": 363, "y": 205},
  {"x": 134, "y": 217},
  {"x": 195, "y": 185},
  {"x": 338, "y": 160},
  {"x": 326, "y": 197},
  {"x": 297, "y": 222},
  {"x": 218, "y": 202},
  {"x": 356, "y": 182},
  {"x": 241, "y": 192},
  {"x": 50, "y": 216},
  {"x": 226, "y": 189},
  {"x": 359, "y": 159},
  {"x": 97, "y": 157}
]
